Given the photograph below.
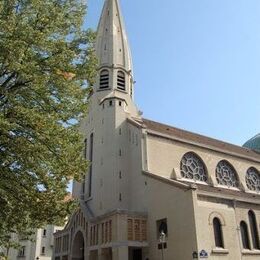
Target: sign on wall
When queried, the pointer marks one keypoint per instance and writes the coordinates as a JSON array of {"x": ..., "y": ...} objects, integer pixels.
[{"x": 203, "y": 254}]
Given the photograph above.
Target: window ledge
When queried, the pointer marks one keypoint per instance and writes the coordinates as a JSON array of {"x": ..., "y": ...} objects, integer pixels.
[
  {"x": 103, "y": 89},
  {"x": 192, "y": 181},
  {"x": 227, "y": 187},
  {"x": 220, "y": 251},
  {"x": 250, "y": 252},
  {"x": 121, "y": 90},
  {"x": 252, "y": 192}
]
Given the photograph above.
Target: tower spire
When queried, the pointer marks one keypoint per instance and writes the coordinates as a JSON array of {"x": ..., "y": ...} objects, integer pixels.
[
  {"x": 113, "y": 51},
  {"x": 112, "y": 45}
]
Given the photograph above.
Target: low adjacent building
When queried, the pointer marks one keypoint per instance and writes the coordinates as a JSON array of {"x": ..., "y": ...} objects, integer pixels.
[{"x": 39, "y": 247}]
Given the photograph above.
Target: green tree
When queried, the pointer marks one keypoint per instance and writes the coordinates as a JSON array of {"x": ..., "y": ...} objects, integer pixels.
[{"x": 46, "y": 63}]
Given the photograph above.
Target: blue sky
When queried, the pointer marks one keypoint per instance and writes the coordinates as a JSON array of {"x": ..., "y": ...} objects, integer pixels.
[{"x": 196, "y": 63}]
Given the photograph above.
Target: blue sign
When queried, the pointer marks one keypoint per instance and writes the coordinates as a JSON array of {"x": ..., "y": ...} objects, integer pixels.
[{"x": 203, "y": 254}]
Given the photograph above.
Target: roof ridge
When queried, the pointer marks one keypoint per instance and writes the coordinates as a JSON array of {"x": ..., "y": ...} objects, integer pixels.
[
  {"x": 199, "y": 138},
  {"x": 201, "y": 135}
]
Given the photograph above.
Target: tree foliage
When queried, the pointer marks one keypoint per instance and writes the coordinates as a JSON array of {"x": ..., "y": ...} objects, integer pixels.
[{"x": 46, "y": 61}]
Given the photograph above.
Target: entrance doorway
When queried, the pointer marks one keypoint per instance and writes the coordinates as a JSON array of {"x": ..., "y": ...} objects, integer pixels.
[
  {"x": 93, "y": 255},
  {"x": 78, "y": 247},
  {"x": 106, "y": 254},
  {"x": 135, "y": 253}
]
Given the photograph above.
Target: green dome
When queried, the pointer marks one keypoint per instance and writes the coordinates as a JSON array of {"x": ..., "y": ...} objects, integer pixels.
[{"x": 253, "y": 143}]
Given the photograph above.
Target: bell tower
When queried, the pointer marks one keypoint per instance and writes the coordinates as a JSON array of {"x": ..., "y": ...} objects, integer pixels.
[
  {"x": 113, "y": 146},
  {"x": 105, "y": 130}
]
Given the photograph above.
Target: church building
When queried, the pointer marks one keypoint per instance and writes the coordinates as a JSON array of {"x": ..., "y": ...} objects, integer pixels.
[{"x": 153, "y": 191}]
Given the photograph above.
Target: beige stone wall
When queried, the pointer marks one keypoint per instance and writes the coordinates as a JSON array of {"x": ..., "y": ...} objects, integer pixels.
[
  {"x": 107, "y": 119},
  {"x": 206, "y": 211},
  {"x": 164, "y": 157},
  {"x": 230, "y": 213},
  {"x": 165, "y": 201}
]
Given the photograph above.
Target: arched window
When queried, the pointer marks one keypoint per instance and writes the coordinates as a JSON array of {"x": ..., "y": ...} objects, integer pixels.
[
  {"x": 226, "y": 174},
  {"x": 253, "y": 179},
  {"x": 192, "y": 167},
  {"x": 253, "y": 228},
  {"x": 162, "y": 227},
  {"x": 121, "y": 80},
  {"x": 244, "y": 235},
  {"x": 218, "y": 233},
  {"x": 104, "y": 79}
]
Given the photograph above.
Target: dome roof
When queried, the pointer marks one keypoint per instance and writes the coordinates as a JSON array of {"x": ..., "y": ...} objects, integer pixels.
[{"x": 253, "y": 143}]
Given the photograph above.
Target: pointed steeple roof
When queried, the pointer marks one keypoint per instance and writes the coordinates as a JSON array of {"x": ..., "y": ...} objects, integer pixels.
[{"x": 112, "y": 46}]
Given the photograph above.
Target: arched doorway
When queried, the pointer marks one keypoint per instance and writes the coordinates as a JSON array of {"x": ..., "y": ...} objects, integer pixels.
[{"x": 78, "y": 247}]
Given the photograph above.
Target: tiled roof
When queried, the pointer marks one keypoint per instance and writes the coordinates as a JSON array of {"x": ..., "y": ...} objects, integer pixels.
[{"x": 199, "y": 139}]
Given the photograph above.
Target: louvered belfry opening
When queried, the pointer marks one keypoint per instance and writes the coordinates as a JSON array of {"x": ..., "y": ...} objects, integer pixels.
[
  {"x": 104, "y": 79},
  {"x": 121, "y": 80}
]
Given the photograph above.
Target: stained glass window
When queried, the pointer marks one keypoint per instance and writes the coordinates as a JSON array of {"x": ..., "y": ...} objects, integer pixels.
[
  {"x": 253, "y": 179},
  {"x": 226, "y": 174},
  {"x": 192, "y": 167}
]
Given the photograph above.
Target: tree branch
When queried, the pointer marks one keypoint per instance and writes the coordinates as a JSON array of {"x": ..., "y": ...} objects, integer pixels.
[{"x": 5, "y": 83}]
